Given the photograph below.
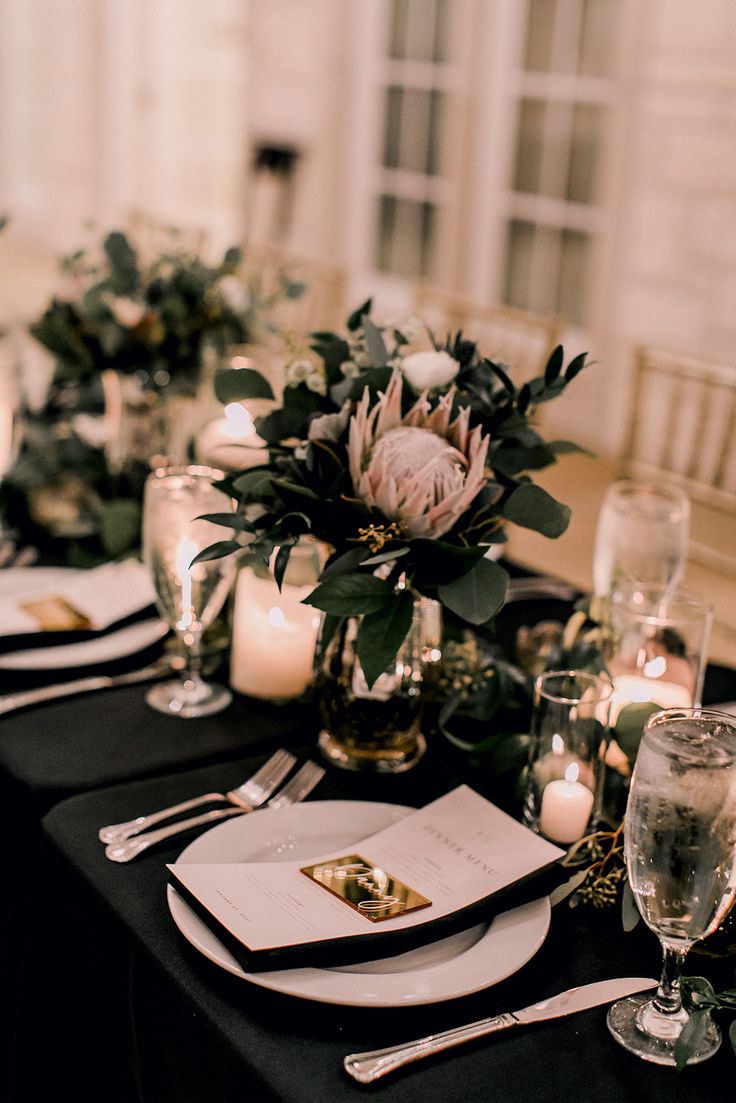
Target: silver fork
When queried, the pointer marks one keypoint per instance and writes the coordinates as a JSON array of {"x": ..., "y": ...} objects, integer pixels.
[
  {"x": 300, "y": 786},
  {"x": 253, "y": 792}
]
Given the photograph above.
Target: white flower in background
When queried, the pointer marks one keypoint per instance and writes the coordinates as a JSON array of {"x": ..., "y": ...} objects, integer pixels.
[
  {"x": 298, "y": 371},
  {"x": 126, "y": 311},
  {"x": 92, "y": 430},
  {"x": 235, "y": 293},
  {"x": 411, "y": 328},
  {"x": 316, "y": 382},
  {"x": 427, "y": 370},
  {"x": 421, "y": 469},
  {"x": 350, "y": 369},
  {"x": 330, "y": 427}
]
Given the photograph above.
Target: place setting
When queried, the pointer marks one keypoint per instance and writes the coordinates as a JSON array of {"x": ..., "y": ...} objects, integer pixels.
[{"x": 444, "y": 784}]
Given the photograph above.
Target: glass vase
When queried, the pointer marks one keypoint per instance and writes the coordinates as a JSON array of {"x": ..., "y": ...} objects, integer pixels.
[{"x": 378, "y": 728}]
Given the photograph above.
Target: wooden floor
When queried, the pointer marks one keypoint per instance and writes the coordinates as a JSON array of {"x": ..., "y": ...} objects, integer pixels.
[{"x": 580, "y": 482}]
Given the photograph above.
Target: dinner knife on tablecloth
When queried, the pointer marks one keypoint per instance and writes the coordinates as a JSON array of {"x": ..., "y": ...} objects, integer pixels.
[
  {"x": 367, "y": 1067},
  {"x": 11, "y": 702}
]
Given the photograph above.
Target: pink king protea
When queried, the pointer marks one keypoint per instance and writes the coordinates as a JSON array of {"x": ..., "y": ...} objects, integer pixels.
[{"x": 421, "y": 469}]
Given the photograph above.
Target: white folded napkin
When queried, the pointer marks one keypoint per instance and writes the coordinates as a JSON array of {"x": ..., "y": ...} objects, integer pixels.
[{"x": 101, "y": 595}]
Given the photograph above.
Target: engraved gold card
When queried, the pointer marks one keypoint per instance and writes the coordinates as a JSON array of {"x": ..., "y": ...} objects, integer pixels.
[
  {"x": 367, "y": 888},
  {"x": 55, "y": 614}
]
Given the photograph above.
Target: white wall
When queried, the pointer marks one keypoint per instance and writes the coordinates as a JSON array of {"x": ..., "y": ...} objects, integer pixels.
[{"x": 674, "y": 272}]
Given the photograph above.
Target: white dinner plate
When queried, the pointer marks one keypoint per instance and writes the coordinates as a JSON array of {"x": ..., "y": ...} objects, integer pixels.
[
  {"x": 445, "y": 969},
  {"x": 126, "y": 641}
]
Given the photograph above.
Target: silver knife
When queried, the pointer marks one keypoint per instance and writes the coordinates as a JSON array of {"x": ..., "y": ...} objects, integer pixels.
[
  {"x": 10, "y": 702},
  {"x": 367, "y": 1067}
]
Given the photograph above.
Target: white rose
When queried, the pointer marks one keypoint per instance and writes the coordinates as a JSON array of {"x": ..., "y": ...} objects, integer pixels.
[
  {"x": 428, "y": 370},
  {"x": 235, "y": 293},
  {"x": 127, "y": 312},
  {"x": 297, "y": 371}
]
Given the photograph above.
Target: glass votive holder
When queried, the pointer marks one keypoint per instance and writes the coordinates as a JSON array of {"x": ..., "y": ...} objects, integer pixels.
[
  {"x": 655, "y": 649},
  {"x": 564, "y": 777},
  {"x": 273, "y": 632}
]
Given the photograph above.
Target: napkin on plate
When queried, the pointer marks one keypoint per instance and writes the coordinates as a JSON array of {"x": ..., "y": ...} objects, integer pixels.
[{"x": 45, "y": 606}]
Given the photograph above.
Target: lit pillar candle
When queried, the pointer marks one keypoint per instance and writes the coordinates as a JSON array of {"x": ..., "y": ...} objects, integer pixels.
[
  {"x": 566, "y": 808},
  {"x": 273, "y": 638},
  {"x": 629, "y": 689},
  {"x": 231, "y": 441}
]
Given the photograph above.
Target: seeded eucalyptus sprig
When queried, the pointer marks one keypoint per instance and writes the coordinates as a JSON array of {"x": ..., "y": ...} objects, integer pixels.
[{"x": 699, "y": 998}]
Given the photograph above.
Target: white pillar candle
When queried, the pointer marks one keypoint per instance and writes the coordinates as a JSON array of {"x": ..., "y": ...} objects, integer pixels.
[
  {"x": 631, "y": 689},
  {"x": 273, "y": 638},
  {"x": 231, "y": 441},
  {"x": 566, "y": 808}
]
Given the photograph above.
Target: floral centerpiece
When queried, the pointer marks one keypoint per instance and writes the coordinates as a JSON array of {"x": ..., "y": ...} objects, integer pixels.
[
  {"x": 128, "y": 337},
  {"x": 151, "y": 319},
  {"x": 408, "y": 462}
]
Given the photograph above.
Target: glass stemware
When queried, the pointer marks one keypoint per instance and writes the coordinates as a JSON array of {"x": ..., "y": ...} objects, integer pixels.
[
  {"x": 188, "y": 597},
  {"x": 11, "y": 420},
  {"x": 680, "y": 849},
  {"x": 641, "y": 537}
]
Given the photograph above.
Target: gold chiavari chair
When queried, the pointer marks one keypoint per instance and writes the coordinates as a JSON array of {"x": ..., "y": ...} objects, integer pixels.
[
  {"x": 682, "y": 431},
  {"x": 514, "y": 337}
]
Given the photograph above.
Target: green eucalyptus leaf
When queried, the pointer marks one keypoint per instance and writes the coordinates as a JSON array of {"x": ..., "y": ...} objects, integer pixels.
[
  {"x": 234, "y": 384},
  {"x": 120, "y": 524},
  {"x": 698, "y": 994},
  {"x": 554, "y": 365},
  {"x": 345, "y": 563},
  {"x": 629, "y": 911},
  {"x": 732, "y": 1035},
  {"x": 356, "y": 318},
  {"x": 281, "y": 563},
  {"x": 532, "y": 507},
  {"x": 690, "y": 1037},
  {"x": 351, "y": 595},
  {"x": 216, "y": 551},
  {"x": 382, "y": 633},
  {"x": 477, "y": 595},
  {"x": 254, "y": 484},
  {"x": 235, "y": 521},
  {"x": 630, "y": 725},
  {"x": 575, "y": 367},
  {"x": 375, "y": 344}
]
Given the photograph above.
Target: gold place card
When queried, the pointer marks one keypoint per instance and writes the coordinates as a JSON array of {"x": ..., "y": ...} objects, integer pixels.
[
  {"x": 55, "y": 614},
  {"x": 367, "y": 888}
]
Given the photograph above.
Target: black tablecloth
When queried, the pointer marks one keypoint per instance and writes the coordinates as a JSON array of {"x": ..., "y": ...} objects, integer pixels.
[
  {"x": 115, "y": 1002},
  {"x": 194, "y": 1032}
]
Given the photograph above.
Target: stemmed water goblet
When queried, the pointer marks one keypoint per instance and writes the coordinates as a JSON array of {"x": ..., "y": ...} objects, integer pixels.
[
  {"x": 641, "y": 537},
  {"x": 188, "y": 596},
  {"x": 680, "y": 849}
]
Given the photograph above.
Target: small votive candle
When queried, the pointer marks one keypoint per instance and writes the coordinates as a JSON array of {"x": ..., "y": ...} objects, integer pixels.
[
  {"x": 566, "y": 807},
  {"x": 231, "y": 441},
  {"x": 631, "y": 689}
]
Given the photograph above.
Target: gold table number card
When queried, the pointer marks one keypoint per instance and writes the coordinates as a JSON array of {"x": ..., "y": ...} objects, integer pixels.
[{"x": 367, "y": 888}]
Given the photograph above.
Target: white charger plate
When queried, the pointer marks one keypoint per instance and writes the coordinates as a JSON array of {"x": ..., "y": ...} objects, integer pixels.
[
  {"x": 451, "y": 967},
  {"x": 116, "y": 645}
]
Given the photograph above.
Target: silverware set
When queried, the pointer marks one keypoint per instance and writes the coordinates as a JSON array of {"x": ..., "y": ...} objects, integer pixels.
[{"x": 124, "y": 841}]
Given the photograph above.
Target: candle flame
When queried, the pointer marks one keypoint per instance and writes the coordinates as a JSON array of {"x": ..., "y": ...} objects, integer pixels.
[
  {"x": 572, "y": 772},
  {"x": 655, "y": 668},
  {"x": 558, "y": 744},
  {"x": 276, "y": 617},
  {"x": 185, "y": 553},
  {"x": 238, "y": 420}
]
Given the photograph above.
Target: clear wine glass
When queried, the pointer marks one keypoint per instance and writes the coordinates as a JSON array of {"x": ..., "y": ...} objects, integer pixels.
[
  {"x": 11, "y": 419},
  {"x": 680, "y": 849},
  {"x": 641, "y": 537},
  {"x": 188, "y": 597}
]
